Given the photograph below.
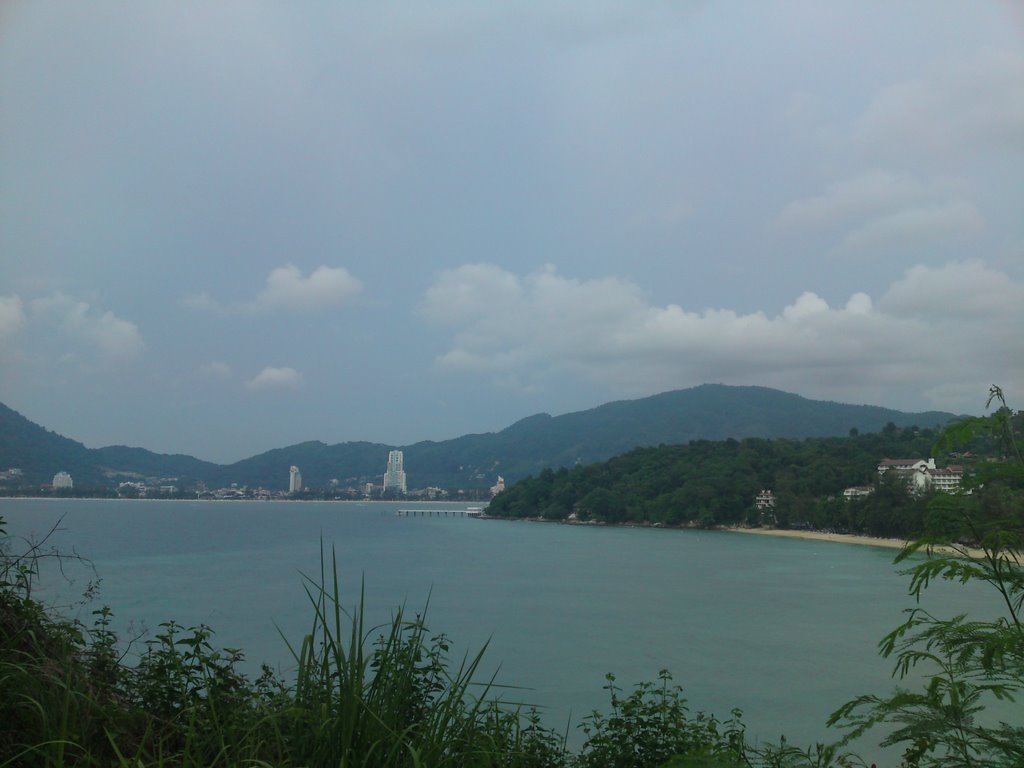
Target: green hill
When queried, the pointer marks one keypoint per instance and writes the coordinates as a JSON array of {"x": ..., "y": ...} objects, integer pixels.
[
  {"x": 712, "y": 483},
  {"x": 40, "y": 453},
  {"x": 708, "y": 412}
]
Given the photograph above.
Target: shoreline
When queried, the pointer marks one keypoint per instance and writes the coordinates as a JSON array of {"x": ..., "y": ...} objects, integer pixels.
[
  {"x": 782, "y": 533},
  {"x": 838, "y": 538},
  {"x": 852, "y": 538}
]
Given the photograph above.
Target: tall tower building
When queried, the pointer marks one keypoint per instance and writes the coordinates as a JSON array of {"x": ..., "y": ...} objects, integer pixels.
[
  {"x": 498, "y": 487},
  {"x": 294, "y": 480},
  {"x": 394, "y": 476}
]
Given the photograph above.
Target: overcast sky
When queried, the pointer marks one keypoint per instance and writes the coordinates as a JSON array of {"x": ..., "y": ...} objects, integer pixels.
[{"x": 232, "y": 226}]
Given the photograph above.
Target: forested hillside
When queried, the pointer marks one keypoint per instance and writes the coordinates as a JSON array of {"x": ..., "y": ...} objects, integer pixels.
[{"x": 715, "y": 483}]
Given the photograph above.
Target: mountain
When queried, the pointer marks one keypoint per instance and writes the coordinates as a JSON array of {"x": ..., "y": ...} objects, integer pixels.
[
  {"x": 40, "y": 453},
  {"x": 707, "y": 412}
]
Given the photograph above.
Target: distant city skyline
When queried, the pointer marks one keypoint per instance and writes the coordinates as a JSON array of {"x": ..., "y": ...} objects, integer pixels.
[{"x": 230, "y": 227}]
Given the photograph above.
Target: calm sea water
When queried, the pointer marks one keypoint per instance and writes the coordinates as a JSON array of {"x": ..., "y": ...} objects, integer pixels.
[{"x": 784, "y": 629}]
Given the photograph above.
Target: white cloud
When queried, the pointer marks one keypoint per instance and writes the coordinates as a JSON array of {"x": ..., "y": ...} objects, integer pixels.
[
  {"x": 927, "y": 140},
  {"x": 275, "y": 379},
  {"x": 215, "y": 369},
  {"x": 469, "y": 291},
  {"x": 867, "y": 193},
  {"x": 325, "y": 287},
  {"x": 202, "y": 302},
  {"x": 287, "y": 289},
  {"x": 957, "y": 292},
  {"x": 12, "y": 316},
  {"x": 933, "y": 326},
  {"x": 967, "y": 107},
  {"x": 110, "y": 335},
  {"x": 881, "y": 209},
  {"x": 914, "y": 227}
]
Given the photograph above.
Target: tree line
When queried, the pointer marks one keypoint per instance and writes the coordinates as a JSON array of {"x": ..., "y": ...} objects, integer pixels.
[{"x": 714, "y": 483}]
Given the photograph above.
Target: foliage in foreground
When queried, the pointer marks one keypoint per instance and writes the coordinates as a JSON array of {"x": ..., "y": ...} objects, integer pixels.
[{"x": 973, "y": 667}]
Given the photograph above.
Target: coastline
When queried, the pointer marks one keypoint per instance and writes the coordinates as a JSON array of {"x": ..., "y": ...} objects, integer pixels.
[
  {"x": 839, "y": 538},
  {"x": 835, "y": 538},
  {"x": 850, "y": 538}
]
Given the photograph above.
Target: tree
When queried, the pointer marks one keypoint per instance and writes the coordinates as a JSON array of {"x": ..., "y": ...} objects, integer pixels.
[
  {"x": 977, "y": 536},
  {"x": 653, "y": 725}
]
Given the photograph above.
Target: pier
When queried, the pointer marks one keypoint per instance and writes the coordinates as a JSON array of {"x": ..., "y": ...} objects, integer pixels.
[{"x": 468, "y": 512}]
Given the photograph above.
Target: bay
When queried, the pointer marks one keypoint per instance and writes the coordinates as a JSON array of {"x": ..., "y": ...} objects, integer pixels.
[{"x": 784, "y": 629}]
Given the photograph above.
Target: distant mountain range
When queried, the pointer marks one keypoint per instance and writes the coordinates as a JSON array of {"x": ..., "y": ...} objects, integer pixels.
[{"x": 707, "y": 412}]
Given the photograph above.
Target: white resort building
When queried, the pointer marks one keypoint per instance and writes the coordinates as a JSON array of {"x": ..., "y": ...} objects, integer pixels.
[
  {"x": 294, "y": 480},
  {"x": 394, "y": 475},
  {"x": 62, "y": 481},
  {"x": 944, "y": 479},
  {"x": 922, "y": 474}
]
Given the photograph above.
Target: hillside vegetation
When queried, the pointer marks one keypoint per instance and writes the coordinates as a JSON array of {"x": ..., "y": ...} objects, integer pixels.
[
  {"x": 709, "y": 412},
  {"x": 715, "y": 483}
]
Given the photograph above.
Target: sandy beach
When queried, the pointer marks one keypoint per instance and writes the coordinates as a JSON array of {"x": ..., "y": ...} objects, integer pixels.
[
  {"x": 839, "y": 538},
  {"x": 844, "y": 538}
]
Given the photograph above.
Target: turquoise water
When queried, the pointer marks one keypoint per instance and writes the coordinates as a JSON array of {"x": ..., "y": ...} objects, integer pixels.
[{"x": 784, "y": 629}]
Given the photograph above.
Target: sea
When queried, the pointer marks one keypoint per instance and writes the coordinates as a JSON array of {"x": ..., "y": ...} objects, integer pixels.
[{"x": 786, "y": 630}]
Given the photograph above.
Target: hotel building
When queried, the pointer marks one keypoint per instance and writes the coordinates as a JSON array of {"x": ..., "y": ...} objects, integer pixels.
[{"x": 394, "y": 476}]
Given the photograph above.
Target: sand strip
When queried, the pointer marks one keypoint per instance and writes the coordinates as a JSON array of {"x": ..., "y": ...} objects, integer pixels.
[{"x": 847, "y": 538}]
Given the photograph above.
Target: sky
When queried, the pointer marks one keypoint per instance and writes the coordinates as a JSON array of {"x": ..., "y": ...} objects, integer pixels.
[{"x": 234, "y": 226}]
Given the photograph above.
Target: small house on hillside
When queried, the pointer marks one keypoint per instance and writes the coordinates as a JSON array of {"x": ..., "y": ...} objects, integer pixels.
[{"x": 857, "y": 491}]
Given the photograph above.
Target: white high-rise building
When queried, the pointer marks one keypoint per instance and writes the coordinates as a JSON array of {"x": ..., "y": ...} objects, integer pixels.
[
  {"x": 498, "y": 487},
  {"x": 394, "y": 476},
  {"x": 62, "y": 480},
  {"x": 294, "y": 480}
]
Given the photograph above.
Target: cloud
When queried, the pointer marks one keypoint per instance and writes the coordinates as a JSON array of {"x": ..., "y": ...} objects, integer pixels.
[
  {"x": 12, "y": 316},
  {"x": 275, "y": 379},
  {"x": 865, "y": 194},
  {"x": 288, "y": 290},
  {"x": 881, "y": 209},
  {"x": 918, "y": 226},
  {"x": 112, "y": 336},
  {"x": 215, "y": 370},
  {"x": 470, "y": 291},
  {"x": 957, "y": 292},
  {"x": 325, "y": 287},
  {"x": 202, "y": 302},
  {"x": 967, "y": 106},
  {"x": 928, "y": 329}
]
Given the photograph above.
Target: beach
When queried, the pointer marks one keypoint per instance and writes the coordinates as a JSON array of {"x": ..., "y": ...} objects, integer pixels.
[
  {"x": 840, "y": 538},
  {"x": 847, "y": 538}
]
